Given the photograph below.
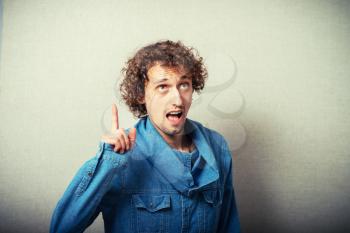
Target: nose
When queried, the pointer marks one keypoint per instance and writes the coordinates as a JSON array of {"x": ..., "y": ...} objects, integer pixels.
[{"x": 176, "y": 98}]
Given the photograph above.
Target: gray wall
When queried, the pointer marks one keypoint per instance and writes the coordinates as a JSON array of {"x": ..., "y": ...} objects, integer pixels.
[{"x": 278, "y": 90}]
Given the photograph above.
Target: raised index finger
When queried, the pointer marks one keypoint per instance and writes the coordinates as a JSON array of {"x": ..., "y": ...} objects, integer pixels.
[{"x": 115, "y": 121}]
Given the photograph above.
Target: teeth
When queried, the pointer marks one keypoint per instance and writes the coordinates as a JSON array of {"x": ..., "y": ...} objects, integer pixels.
[{"x": 175, "y": 112}]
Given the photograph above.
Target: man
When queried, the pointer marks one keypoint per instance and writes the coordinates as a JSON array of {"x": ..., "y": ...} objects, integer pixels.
[{"x": 175, "y": 176}]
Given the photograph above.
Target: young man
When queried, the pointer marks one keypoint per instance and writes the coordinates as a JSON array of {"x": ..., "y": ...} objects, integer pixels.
[{"x": 175, "y": 176}]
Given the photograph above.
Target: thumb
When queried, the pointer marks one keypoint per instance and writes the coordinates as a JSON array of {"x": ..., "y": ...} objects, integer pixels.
[{"x": 132, "y": 136}]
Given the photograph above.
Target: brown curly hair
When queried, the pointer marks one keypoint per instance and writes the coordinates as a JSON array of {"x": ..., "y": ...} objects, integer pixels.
[{"x": 167, "y": 53}]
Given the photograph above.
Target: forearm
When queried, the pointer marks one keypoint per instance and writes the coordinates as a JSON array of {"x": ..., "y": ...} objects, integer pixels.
[{"x": 79, "y": 204}]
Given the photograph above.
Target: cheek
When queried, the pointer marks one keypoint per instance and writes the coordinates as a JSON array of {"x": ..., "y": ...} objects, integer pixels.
[
  {"x": 188, "y": 99},
  {"x": 150, "y": 100},
  {"x": 154, "y": 104}
]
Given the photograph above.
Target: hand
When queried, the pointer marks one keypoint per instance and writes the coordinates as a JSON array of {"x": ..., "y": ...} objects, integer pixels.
[{"x": 118, "y": 138}]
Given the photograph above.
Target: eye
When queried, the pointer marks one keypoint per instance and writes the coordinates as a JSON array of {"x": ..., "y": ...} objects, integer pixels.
[
  {"x": 162, "y": 87},
  {"x": 184, "y": 86}
]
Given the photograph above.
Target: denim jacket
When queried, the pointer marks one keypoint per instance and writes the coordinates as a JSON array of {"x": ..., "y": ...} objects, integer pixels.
[{"x": 149, "y": 189}]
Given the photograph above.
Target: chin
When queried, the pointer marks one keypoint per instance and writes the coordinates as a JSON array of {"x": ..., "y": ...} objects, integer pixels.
[
  {"x": 172, "y": 131},
  {"x": 177, "y": 131}
]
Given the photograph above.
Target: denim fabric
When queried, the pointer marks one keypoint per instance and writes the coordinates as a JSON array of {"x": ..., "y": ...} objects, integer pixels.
[
  {"x": 151, "y": 189},
  {"x": 188, "y": 159}
]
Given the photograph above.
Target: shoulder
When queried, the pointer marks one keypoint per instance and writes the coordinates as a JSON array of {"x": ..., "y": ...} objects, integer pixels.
[
  {"x": 210, "y": 134},
  {"x": 216, "y": 141}
]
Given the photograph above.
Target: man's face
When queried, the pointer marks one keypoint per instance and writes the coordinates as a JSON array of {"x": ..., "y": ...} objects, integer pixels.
[{"x": 168, "y": 97}]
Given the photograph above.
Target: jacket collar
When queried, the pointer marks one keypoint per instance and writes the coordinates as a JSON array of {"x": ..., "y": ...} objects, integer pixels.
[{"x": 161, "y": 156}]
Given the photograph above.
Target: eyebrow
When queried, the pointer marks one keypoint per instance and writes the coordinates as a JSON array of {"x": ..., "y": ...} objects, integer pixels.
[{"x": 166, "y": 79}]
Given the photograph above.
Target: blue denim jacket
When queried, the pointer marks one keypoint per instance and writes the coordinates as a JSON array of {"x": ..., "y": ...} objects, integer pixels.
[{"x": 149, "y": 189}]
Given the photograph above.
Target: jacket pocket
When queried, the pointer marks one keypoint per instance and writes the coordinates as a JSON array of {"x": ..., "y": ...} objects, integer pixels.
[{"x": 151, "y": 212}]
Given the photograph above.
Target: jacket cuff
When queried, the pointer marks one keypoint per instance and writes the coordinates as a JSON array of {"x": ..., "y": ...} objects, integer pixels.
[{"x": 106, "y": 152}]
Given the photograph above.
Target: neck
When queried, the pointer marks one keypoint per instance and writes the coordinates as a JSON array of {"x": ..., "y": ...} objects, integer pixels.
[{"x": 181, "y": 141}]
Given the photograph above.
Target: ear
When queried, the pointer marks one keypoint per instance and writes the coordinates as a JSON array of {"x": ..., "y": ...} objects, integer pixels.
[{"x": 141, "y": 100}]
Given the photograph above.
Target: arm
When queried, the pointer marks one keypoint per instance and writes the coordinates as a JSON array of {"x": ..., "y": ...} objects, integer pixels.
[{"x": 79, "y": 205}]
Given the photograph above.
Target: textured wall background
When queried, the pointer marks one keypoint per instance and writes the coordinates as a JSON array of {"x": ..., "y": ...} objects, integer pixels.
[{"x": 278, "y": 90}]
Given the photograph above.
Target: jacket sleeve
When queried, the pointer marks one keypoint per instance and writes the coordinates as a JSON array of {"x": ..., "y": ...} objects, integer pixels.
[
  {"x": 79, "y": 205},
  {"x": 229, "y": 218}
]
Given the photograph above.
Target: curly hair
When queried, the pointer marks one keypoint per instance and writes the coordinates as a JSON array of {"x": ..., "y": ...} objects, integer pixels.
[{"x": 165, "y": 53}]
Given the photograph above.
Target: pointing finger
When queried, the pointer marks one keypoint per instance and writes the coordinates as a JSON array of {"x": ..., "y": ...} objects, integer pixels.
[{"x": 115, "y": 120}]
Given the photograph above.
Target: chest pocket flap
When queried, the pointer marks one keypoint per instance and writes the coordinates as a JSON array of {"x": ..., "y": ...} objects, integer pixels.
[{"x": 152, "y": 203}]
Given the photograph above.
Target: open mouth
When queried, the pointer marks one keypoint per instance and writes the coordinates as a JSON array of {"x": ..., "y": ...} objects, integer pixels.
[{"x": 174, "y": 116}]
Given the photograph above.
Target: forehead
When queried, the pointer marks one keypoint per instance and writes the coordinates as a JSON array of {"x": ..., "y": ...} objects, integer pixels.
[{"x": 160, "y": 72}]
